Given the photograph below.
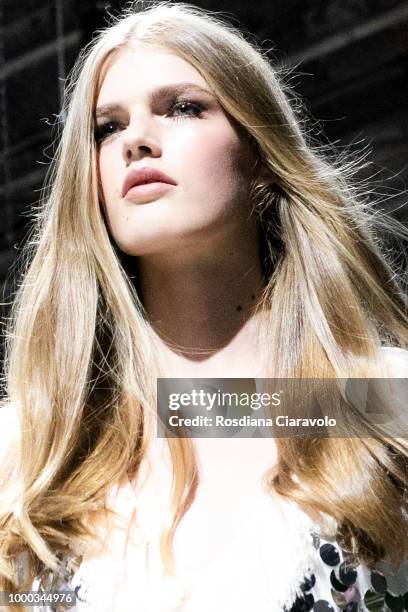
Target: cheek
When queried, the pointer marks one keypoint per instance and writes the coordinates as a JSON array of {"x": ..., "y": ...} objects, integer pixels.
[
  {"x": 108, "y": 171},
  {"x": 219, "y": 161}
]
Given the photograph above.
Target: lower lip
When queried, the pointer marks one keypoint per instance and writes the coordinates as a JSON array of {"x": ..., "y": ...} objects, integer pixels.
[{"x": 149, "y": 190}]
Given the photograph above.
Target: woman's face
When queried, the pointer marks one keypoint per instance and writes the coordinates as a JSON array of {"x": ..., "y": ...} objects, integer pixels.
[{"x": 151, "y": 113}]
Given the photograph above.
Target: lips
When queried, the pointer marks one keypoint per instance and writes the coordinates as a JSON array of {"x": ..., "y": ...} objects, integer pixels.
[{"x": 143, "y": 176}]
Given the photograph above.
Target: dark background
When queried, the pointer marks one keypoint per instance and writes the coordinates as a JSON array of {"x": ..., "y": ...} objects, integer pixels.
[{"x": 351, "y": 70}]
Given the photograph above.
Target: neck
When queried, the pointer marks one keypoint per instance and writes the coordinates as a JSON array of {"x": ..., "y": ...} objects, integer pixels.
[{"x": 198, "y": 304}]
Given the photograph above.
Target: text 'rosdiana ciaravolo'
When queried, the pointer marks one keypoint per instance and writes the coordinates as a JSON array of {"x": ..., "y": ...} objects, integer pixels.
[{"x": 199, "y": 400}]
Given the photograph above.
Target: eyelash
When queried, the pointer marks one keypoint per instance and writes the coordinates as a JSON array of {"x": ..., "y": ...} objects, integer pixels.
[{"x": 101, "y": 132}]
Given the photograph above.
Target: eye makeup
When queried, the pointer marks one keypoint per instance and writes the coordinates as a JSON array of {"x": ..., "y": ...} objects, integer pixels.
[{"x": 177, "y": 108}]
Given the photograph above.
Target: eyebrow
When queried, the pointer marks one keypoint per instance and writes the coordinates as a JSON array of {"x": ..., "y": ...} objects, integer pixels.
[{"x": 161, "y": 92}]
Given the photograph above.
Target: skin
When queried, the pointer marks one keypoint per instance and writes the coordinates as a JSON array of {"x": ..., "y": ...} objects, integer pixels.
[
  {"x": 193, "y": 234},
  {"x": 197, "y": 257}
]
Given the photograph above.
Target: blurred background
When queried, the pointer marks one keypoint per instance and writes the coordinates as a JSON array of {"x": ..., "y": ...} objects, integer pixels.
[{"x": 350, "y": 67}]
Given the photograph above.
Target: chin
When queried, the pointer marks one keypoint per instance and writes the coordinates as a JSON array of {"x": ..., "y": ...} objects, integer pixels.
[
  {"x": 144, "y": 248},
  {"x": 166, "y": 241}
]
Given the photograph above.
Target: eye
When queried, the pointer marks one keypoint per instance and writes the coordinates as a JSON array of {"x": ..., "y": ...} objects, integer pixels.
[
  {"x": 183, "y": 109},
  {"x": 106, "y": 129}
]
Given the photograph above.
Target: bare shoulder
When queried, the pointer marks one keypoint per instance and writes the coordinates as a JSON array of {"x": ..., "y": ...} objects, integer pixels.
[{"x": 396, "y": 360}]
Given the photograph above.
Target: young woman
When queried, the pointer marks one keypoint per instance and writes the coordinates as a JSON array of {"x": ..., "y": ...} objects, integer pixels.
[{"x": 246, "y": 255}]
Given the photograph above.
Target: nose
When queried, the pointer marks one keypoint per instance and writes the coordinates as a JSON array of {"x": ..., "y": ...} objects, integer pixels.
[{"x": 140, "y": 141}]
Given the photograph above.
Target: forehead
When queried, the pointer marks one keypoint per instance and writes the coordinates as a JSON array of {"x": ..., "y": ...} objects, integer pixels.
[{"x": 139, "y": 69}]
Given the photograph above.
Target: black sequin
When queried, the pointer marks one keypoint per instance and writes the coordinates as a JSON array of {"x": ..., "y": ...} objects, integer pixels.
[
  {"x": 308, "y": 583},
  {"x": 396, "y": 604},
  {"x": 373, "y": 601},
  {"x": 303, "y": 604},
  {"x": 347, "y": 573},
  {"x": 336, "y": 584},
  {"x": 322, "y": 606},
  {"x": 329, "y": 554},
  {"x": 378, "y": 582}
]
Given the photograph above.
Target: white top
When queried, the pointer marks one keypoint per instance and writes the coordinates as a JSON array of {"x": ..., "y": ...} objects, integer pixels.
[
  {"x": 247, "y": 574},
  {"x": 261, "y": 569}
]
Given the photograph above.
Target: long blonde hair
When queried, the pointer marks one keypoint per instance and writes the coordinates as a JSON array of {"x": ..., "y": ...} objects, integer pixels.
[{"x": 80, "y": 365}]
